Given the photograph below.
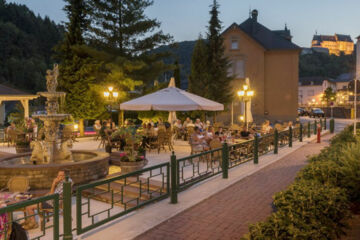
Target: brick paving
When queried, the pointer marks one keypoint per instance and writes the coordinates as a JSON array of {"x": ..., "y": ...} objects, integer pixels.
[{"x": 227, "y": 214}]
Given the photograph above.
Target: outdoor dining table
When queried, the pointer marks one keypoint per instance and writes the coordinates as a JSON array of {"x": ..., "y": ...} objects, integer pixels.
[{"x": 6, "y": 199}]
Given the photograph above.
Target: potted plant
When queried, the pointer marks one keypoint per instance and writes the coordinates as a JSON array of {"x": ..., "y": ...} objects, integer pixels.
[{"x": 133, "y": 158}]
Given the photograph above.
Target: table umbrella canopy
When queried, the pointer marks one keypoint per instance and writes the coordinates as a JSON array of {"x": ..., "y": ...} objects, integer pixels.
[{"x": 171, "y": 99}]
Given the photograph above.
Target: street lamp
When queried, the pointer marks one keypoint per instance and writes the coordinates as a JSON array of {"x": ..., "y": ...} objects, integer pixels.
[
  {"x": 111, "y": 96},
  {"x": 245, "y": 96}
]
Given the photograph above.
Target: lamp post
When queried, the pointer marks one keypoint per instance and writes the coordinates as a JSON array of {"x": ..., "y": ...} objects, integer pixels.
[
  {"x": 245, "y": 96},
  {"x": 111, "y": 97}
]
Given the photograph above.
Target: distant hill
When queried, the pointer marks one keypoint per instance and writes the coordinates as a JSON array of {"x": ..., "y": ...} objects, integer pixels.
[
  {"x": 183, "y": 52},
  {"x": 26, "y": 46}
]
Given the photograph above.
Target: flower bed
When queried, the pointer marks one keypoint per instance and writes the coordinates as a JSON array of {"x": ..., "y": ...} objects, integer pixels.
[{"x": 317, "y": 204}]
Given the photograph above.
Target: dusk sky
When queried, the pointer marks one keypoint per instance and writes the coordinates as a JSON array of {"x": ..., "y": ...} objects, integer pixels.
[{"x": 185, "y": 19}]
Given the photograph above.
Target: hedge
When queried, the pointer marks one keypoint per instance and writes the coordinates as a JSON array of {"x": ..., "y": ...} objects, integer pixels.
[{"x": 317, "y": 204}]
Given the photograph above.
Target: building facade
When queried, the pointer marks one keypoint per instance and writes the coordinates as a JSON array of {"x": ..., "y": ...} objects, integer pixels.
[
  {"x": 311, "y": 90},
  {"x": 270, "y": 60},
  {"x": 336, "y": 44}
]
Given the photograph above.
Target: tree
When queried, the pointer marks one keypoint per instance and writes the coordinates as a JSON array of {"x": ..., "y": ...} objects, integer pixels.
[
  {"x": 177, "y": 74},
  {"x": 120, "y": 27},
  {"x": 198, "y": 79},
  {"x": 217, "y": 66},
  {"x": 329, "y": 95},
  {"x": 77, "y": 68}
]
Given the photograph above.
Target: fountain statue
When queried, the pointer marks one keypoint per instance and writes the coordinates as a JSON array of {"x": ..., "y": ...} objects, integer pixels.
[
  {"x": 52, "y": 154},
  {"x": 51, "y": 149}
]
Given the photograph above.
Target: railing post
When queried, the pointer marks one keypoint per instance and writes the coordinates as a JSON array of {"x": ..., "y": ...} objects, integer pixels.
[
  {"x": 309, "y": 130},
  {"x": 256, "y": 149},
  {"x": 173, "y": 192},
  {"x": 315, "y": 127},
  {"x": 301, "y": 133},
  {"x": 290, "y": 136},
  {"x": 276, "y": 141},
  {"x": 324, "y": 123},
  {"x": 225, "y": 160},
  {"x": 67, "y": 209},
  {"x": 332, "y": 125}
]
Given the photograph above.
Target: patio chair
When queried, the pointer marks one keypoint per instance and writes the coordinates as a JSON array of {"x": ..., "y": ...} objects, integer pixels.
[
  {"x": 18, "y": 184},
  {"x": 169, "y": 139},
  {"x": 216, "y": 156},
  {"x": 11, "y": 137},
  {"x": 161, "y": 139}
]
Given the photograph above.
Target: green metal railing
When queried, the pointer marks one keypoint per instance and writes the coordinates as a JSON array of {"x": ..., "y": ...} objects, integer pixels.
[
  {"x": 12, "y": 212},
  {"x": 198, "y": 167},
  {"x": 241, "y": 153},
  {"x": 141, "y": 187},
  {"x": 126, "y": 193}
]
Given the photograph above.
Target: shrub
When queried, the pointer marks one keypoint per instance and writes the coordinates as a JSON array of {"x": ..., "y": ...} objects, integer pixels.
[{"x": 306, "y": 210}]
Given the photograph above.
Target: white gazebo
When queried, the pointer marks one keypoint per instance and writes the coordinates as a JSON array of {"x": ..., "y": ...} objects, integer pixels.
[
  {"x": 171, "y": 99},
  {"x": 11, "y": 94}
]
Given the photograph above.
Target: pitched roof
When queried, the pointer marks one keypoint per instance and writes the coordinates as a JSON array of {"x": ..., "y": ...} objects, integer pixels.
[
  {"x": 332, "y": 38},
  {"x": 345, "y": 77},
  {"x": 270, "y": 40},
  {"x": 313, "y": 81},
  {"x": 5, "y": 90}
]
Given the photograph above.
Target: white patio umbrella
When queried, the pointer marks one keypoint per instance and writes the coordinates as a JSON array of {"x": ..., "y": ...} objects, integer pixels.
[
  {"x": 248, "y": 106},
  {"x": 172, "y": 115},
  {"x": 171, "y": 99}
]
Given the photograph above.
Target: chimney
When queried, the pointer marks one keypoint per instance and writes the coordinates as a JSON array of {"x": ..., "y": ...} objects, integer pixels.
[{"x": 254, "y": 14}]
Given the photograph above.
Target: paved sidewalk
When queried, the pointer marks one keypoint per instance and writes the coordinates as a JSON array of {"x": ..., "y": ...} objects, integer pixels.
[{"x": 227, "y": 214}]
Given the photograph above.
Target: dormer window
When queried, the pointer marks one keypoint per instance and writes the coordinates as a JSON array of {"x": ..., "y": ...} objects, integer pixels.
[{"x": 234, "y": 44}]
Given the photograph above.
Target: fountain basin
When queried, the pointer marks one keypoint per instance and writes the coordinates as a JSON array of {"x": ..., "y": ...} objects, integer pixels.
[{"x": 87, "y": 166}]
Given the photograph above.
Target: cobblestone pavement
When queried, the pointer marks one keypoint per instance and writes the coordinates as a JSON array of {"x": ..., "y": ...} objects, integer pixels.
[{"x": 227, "y": 214}]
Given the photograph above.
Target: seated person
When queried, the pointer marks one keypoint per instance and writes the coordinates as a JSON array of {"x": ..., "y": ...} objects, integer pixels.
[
  {"x": 209, "y": 134},
  {"x": 266, "y": 128},
  {"x": 56, "y": 187},
  {"x": 187, "y": 122},
  {"x": 198, "y": 141},
  {"x": 199, "y": 124},
  {"x": 178, "y": 124},
  {"x": 290, "y": 124},
  {"x": 245, "y": 133}
]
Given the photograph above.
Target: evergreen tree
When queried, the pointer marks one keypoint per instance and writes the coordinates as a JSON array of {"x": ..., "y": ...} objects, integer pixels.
[
  {"x": 218, "y": 82},
  {"x": 120, "y": 27},
  {"x": 177, "y": 74},
  {"x": 78, "y": 70},
  {"x": 198, "y": 79}
]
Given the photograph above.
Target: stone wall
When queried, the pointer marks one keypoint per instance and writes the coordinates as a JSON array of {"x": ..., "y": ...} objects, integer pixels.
[{"x": 41, "y": 176}]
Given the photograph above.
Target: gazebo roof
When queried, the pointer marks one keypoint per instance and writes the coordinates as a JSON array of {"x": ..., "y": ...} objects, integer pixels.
[{"x": 8, "y": 93}]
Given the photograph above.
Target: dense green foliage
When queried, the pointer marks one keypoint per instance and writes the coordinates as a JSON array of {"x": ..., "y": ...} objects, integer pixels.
[
  {"x": 177, "y": 71},
  {"x": 317, "y": 205},
  {"x": 121, "y": 28},
  {"x": 329, "y": 96},
  {"x": 321, "y": 64},
  {"x": 209, "y": 75},
  {"x": 198, "y": 79},
  {"x": 26, "y": 46}
]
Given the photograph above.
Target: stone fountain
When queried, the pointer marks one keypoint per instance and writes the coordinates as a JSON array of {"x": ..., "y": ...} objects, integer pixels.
[
  {"x": 53, "y": 154},
  {"x": 52, "y": 149}
]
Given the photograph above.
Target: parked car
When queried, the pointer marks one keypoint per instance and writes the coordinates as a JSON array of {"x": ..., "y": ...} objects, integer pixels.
[
  {"x": 316, "y": 112},
  {"x": 302, "y": 112}
]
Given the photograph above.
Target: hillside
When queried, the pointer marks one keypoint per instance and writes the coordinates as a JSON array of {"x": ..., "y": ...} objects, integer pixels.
[
  {"x": 183, "y": 52},
  {"x": 26, "y": 46}
]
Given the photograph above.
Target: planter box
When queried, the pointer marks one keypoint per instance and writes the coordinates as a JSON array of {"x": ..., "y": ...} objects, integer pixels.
[
  {"x": 22, "y": 149},
  {"x": 127, "y": 167}
]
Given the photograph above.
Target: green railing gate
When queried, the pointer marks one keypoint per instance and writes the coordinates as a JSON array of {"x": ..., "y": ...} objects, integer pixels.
[{"x": 144, "y": 187}]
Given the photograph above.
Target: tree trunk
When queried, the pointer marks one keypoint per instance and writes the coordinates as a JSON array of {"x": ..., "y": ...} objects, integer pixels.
[{"x": 81, "y": 127}]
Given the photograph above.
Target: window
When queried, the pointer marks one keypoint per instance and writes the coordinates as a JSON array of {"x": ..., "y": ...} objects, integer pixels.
[
  {"x": 237, "y": 69},
  {"x": 240, "y": 69},
  {"x": 234, "y": 44},
  {"x": 310, "y": 92}
]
